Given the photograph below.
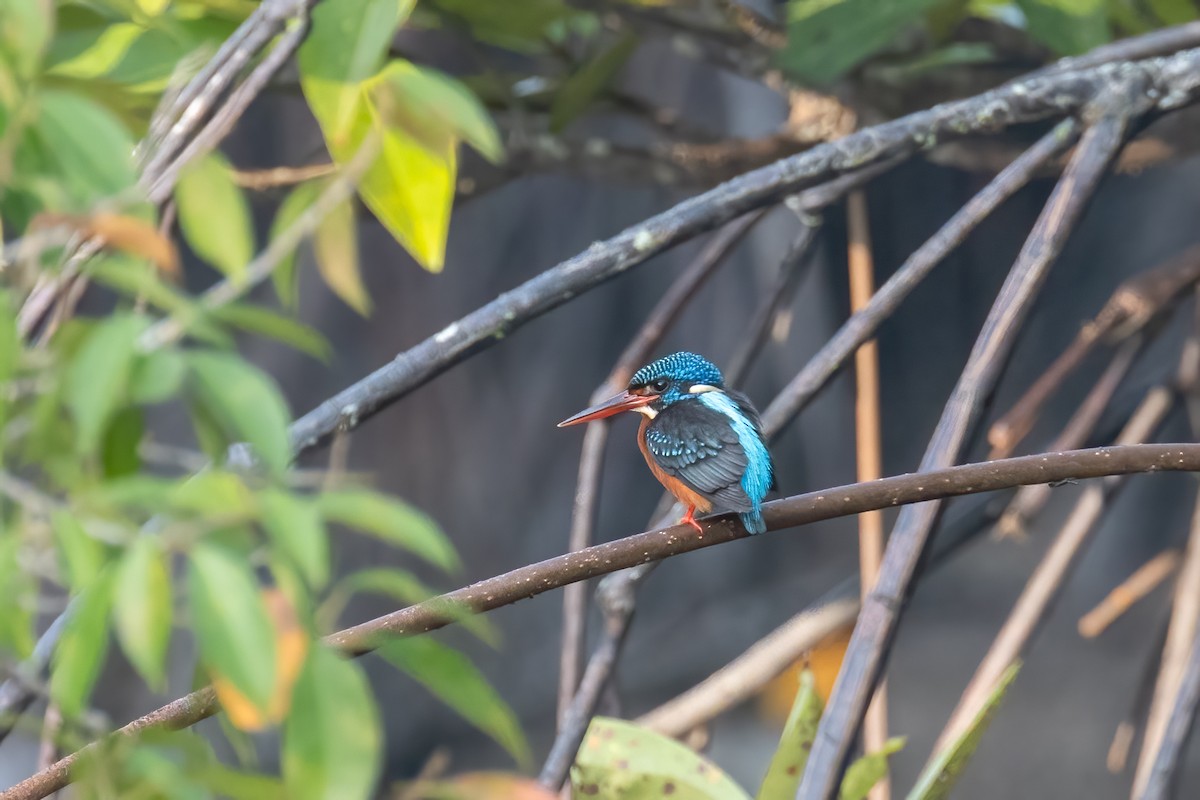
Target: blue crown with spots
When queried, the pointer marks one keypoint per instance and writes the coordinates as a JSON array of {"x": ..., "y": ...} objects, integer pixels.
[{"x": 687, "y": 367}]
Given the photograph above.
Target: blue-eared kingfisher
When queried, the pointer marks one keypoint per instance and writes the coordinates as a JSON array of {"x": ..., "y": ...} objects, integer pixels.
[{"x": 702, "y": 441}]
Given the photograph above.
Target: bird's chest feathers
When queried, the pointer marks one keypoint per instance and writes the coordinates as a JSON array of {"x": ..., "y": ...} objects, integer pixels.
[{"x": 682, "y": 492}]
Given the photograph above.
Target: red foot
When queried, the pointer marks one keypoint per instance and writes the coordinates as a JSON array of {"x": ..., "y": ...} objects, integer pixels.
[{"x": 690, "y": 519}]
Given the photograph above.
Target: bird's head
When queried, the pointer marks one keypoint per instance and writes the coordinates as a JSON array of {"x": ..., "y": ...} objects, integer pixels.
[{"x": 671, "y": 379}]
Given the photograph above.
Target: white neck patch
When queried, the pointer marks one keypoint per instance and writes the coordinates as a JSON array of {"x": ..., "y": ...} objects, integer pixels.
[
  {"x": 647, "y": 410},
  {"x": 701, "y": 388}
]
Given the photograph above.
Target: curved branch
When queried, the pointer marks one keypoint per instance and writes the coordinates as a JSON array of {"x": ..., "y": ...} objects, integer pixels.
[
  {"x": 1171, "y": 82},
  {"x": 554, "y": 573}
]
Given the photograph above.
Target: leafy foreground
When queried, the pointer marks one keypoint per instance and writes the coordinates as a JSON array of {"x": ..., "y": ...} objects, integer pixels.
[{"x": 619, "y": 759}]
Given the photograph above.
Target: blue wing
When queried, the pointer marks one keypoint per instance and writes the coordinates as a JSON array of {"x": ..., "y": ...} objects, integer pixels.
[{"x": 697, "y": 444}]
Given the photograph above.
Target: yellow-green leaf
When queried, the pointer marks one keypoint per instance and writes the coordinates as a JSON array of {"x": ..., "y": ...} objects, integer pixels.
[
  {"x": 621, "y": 761},
  {"x": 581, "y": 88},
  {"x": 332, "y": 742},
  {"x": 295, "y": 204},
  {"x": 335, "y": 246},
  {"x": 1067, "y": 26},
  {"x": 214, "y": 215},
  {"x": 799, "y": 732},
  {"x": 230, "y": 619},
  {"x": 142, "y": 612},
  {"x": 944, "y": 769},
  {"x": 867, "y": 771},
  {"x": 450, "y": 676},
  {"x": 345, "y": 45},
  {"x": 432, "y": 106}
]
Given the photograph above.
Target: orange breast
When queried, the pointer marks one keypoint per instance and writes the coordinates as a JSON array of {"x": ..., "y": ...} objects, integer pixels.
[{"x": 673, "y": 485}]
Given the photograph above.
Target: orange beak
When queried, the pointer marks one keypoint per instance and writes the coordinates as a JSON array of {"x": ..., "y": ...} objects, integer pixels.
[{"x": 625, "y": 401}]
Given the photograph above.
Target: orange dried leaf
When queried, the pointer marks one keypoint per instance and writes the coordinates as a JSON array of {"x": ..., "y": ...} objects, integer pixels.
[
  {"x": 119, "y": 232},
  {"x": 291, "y": 648},
  {"x": 824, "y": 660}
]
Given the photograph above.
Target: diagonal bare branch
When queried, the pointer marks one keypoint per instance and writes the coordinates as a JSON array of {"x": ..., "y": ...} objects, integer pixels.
[{"x": 872, "y": 638}]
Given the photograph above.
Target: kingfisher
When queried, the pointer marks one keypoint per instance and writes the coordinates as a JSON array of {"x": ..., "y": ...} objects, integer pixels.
[{"x": 702, "y": 441}]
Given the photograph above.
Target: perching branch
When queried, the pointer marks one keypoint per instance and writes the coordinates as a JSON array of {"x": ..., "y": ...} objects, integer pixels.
[
  {"x": 872, "y": 638},
  {"x": 657, "y": 545}
]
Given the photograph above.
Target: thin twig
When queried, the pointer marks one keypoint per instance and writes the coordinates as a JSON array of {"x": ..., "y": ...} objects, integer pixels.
[
  {"x": 260, "y": 180},
  {"x": 873, "y": 636},
  {"x": 1181, "y": 634},
  {"x": 1135, "y": 304},
  {"x": 1025, "y": 505},
  {"x": 1046, "y": 582},
  {"x": 159, "y": 183},
  {"x": 741, "y": 678},
  {"x": 868, "y": 452},
  {"x": 1142, "y": 582},
  {"x": 1123, "y": 737},
  {"x": 860, "y": 327},
  {"x": 1178, "y": 729},
  {"x": 534, "y": 579}
]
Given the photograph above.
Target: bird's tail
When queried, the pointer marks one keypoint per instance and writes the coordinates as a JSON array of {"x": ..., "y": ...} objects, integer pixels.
[{"x": 753, "y": 520}]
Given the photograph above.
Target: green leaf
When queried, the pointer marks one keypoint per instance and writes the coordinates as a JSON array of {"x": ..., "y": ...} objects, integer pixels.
[
  {"x": 403, "y": 586},
  {"x": 1067, "y": 26},
  {"x": 17, "y": 589},
  {"x": 265, "y": 322},
  {"x": 232, "y": 628},
  {"x": 244, "y": 403},
  {"x": 82, "y": 556},
  {"x": 215, "y": 493},
  {"x": 332, "y": 742},
  {"x": 109, "y": 45},
  {"x": 578, "y": 91},
  {"x": 214, "y": 215},
  {"x": 92, "y": 151},
  {"x": 335, "y": 246},
  {"x": 799, "y": 732},
  {"x": 82, "y": 650},
  {"x": 827, "y": 38},
  {"x": 431, "y": 105},
  {"x": 621, "y": 760},
  {"x": 25, "y": 28},
  {"x": 867, "y": 771},
  {"x": 409, "y": 188},
  {"x": 297, "y": 529},
  {"x": 119, "y": 452},
  {"x": 295, "y": 204},
  {"x": 345, "y": 45},
  {"x": 98, "y": 376},
  {"x": 391, "y": 520},
  {"x": 142, "y": 612},
  {"x": 946, "y": 766},
  {"x": 1174, "y": 12},
  {"x": 157, "y": 376},
  {"x": 522, "y": 26},
  {"x": 454, "y": 680}
]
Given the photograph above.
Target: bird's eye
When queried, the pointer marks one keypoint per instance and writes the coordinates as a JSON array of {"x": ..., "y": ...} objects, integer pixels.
[{"x": 659, "y": 386}]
